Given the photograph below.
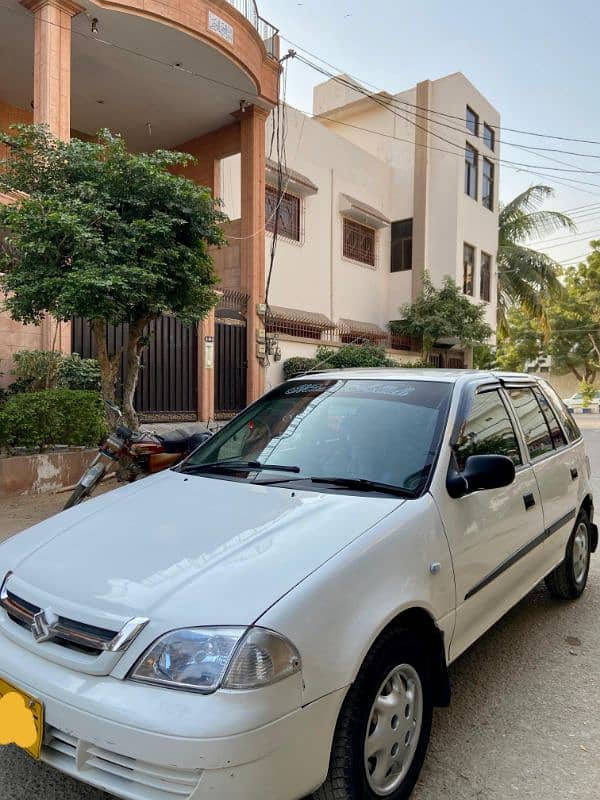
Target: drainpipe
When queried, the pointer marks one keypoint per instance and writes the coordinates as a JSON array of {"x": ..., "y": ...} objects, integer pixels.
[
  {"x": 421, "y": 192},
  {"x": 331, "y": 228}
]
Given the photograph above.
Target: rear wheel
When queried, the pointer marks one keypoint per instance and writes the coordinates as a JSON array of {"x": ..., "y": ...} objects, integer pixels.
[
  {"x": 383, "y": 730},
  {"x": 569, "y": 579}
]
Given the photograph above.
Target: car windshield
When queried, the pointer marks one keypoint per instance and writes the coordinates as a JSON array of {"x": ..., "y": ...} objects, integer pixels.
[{"x": 383, "y": 431}]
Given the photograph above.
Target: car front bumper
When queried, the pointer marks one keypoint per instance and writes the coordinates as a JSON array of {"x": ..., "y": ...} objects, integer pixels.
[{"x": 147, "y": 743}]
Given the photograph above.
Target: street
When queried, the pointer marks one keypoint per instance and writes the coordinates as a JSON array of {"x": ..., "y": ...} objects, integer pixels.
[{"x": 524, "y": 722}]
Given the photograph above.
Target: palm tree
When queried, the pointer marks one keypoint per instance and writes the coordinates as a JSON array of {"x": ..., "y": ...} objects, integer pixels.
[{"x": 527, "y": 278}]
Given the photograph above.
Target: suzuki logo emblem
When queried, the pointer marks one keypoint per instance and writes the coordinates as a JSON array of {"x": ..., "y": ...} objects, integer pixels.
[{"x": 43, "y": 624}]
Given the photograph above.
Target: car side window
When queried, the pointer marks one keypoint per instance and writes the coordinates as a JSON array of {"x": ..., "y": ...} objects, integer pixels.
[
  {"x": 535, "y": 428},
  {"x": 569, "y": 424},
  {"x": 558, "y": 437},
  {"x": 487, "y": 430}
]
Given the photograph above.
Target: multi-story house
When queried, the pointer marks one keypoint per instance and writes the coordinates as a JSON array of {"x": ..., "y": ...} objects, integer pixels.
[
  {"x": 378, "y": 189},
  {"x": 372, "y": 195}
]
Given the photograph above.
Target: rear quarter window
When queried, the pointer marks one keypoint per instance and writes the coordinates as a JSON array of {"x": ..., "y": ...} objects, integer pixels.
[{"x": 569, "y": 424}]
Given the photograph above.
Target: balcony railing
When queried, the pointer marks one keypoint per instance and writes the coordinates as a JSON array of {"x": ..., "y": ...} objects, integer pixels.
[{"x": 267, "y": 32}]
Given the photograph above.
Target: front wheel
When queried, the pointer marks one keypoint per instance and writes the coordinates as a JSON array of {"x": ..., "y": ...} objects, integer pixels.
[
  {"x": 383, "y": 730},
  {"x": 87, "y": 483},
  {"x": 569, "y": 579}
]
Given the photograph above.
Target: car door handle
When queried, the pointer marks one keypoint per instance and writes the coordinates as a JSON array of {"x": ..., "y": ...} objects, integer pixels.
[
  {"x": 574, "y": 473},
  {"x": 529, "y": 501}
]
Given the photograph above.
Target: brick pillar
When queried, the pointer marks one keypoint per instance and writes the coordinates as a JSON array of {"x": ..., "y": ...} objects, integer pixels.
[
  {"x": 52, "y": 63},
  {"x": 52, "y": 103},
  {"x": 206, "y": 368},
  {"x": 252, "y": 245}
]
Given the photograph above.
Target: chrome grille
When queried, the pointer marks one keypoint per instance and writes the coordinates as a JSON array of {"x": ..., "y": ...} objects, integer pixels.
[
  {"x": 130, "y": 777},
  {"x": 67, "y": 632}
]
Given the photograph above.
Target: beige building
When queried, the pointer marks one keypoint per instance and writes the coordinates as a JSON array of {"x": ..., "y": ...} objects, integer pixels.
[{"x": 373, "y": 198}]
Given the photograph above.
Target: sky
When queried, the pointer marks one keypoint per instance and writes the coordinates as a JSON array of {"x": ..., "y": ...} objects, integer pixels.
[{"x": 537, "y": 62}]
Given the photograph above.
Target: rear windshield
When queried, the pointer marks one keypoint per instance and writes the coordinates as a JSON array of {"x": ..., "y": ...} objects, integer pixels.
[{"x": 376, "y": 430}]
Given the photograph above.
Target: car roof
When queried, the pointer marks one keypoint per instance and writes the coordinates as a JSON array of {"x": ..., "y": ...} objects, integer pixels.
[{"x": 424, "y": 374}]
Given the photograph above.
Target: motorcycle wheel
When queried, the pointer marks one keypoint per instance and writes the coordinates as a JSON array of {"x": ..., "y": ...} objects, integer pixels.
[{"x": 79, "y": 493}]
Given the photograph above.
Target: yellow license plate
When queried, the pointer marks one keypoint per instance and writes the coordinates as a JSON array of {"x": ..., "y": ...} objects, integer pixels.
[{"x": 21, "y": 719}]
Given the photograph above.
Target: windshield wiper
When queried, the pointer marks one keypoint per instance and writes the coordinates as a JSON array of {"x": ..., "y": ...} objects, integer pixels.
[
  {"x": 361, "y": 484},
  {"x": 237, "y": 466}
]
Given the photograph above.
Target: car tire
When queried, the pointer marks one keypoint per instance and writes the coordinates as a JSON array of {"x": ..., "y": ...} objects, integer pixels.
[
  {"x": 569, "y": 579},
  {"x": 368, "y": 742}
]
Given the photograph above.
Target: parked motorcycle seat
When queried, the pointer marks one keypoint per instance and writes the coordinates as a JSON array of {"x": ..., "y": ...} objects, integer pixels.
[{"x": 184, "y": 439}]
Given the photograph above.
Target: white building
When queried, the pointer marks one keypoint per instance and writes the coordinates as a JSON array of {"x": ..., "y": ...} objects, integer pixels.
[{"x": 378, "y": 189}]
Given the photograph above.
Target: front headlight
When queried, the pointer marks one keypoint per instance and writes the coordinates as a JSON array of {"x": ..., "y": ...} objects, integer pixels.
[{"x": 205, "y": 659}]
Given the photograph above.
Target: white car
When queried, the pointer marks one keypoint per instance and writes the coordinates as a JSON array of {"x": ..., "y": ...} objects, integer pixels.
[{"x": 276, "y": 617}]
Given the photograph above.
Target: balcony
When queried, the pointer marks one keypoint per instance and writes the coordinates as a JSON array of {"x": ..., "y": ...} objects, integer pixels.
[{"x": 266, "y": 31}]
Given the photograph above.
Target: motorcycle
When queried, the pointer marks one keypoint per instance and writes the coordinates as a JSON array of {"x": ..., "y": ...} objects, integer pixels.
[{"x": 136, "y": 455}]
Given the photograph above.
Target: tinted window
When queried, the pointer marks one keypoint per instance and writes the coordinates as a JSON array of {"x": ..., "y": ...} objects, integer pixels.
[
  {"x": 471, "y": 171},
  {"x": 472, "y": 122},
  {"x": 385, "y": 431},
  {"x": 567, "y": 420},
  {"x": 487, "y": 430},
  {"x": 535, "y": 429},
  {"x": 558, "y": 437},
  {"x": 401, "y": 247}
]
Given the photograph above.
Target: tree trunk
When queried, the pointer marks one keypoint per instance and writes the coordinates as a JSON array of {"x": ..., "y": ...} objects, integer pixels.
[
  {"x": 133, "y": 353},
  {"x": 426, "y": 350},
  {"x": 109, "y": 365}
]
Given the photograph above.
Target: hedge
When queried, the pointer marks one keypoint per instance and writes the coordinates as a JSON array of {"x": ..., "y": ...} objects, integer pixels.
[{"x": 52, "y": 416}]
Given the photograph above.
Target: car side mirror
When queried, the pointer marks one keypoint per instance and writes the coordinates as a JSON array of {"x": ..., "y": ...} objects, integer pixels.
[{"x": 481, "y": 472}]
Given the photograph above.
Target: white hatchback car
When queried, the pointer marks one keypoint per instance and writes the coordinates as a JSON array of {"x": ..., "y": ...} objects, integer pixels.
[{"x": 276, "y": 617}]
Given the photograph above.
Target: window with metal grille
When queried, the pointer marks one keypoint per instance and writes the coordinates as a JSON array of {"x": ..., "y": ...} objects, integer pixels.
[
  {"x": 471, "y": 168},
  {"x": 401, "y": 248},
  {"x": 359, "y": 242},
  {"x": 468, "y": 269},
  {"x": 472, "y": 121},
  {"x": 485, "y": 277},
  {"x": 289, "y": 214},
  {"x": 489, "y": 137},
  {"x": 487, "y": 197}
]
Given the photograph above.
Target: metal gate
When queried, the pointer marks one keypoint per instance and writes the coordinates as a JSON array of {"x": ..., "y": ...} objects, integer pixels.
[
  {"x": 230, "y": 362},
  {"x": 168, "y": 383}
]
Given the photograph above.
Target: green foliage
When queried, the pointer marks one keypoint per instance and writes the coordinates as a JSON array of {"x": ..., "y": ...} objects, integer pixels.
[
  {"x": 524, "y": 342},
  {"x": 48, "y": 369},
  {"x": 484, "y": 356},
  {"x": 52, "y": 416},
  {"x": 353, "y": 355},
  {"x": 574, "y": 343},
  {"x": 588, "y": 393},
  {"x": 527, "y": 279},
  {"x": 79, "y": 373},
  {"x": 298, "y": 365},
  {"x": 107, "y": 235},
  {"x": 443, "y": 313},
  {"x": 104, "y": 233}
]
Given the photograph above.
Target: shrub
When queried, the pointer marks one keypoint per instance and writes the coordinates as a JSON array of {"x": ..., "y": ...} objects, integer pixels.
[
  {"x": 354, "y": 355},
  {"x": 35, "y": 370},
  {"x": 52, "y": 416},
  {"x": 298, "y": 365},
  {"x": 79, "y": 373}
]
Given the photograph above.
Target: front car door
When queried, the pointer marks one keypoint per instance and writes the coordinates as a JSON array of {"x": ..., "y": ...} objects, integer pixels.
[
  {"x": 493, "y": 534},
  {"x": 559, "y": 463}
]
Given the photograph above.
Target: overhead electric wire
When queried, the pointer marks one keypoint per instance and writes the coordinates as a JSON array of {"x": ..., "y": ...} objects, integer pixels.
[{"x": 454, "y": 116}]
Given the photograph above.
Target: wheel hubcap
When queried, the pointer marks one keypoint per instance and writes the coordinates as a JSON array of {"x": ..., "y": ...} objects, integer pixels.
[
  {"x": 393, "y": 729},
  {"x": 580, "y": 552}
]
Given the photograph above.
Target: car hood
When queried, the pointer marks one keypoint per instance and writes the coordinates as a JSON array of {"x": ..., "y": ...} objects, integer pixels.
[{"x": 184, "y": 550}]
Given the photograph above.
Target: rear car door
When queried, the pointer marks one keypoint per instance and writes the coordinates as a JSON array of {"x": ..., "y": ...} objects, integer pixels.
[
  {"x": 493, "y": 534},
  {"x": 559, "y": 466}
]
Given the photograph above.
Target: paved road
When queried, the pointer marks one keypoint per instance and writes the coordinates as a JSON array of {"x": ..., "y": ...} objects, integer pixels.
[{"x": 524, "y": 722}]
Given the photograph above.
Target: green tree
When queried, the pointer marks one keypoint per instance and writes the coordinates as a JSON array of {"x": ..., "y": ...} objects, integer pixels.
[
  {"x": 527, "y": 279},
  {"x": 574, "y": 343},
  {"x": 108, "y": 235},
  {"x": 443, "y": 313},
  {"x": 524, "y": 343}
]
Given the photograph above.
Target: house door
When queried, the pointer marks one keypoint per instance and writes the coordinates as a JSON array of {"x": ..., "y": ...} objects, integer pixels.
[{"x": 230, "y": 362}]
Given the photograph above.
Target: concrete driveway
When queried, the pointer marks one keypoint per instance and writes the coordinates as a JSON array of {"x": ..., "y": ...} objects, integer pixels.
[{"x": 524, "y": 723}]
